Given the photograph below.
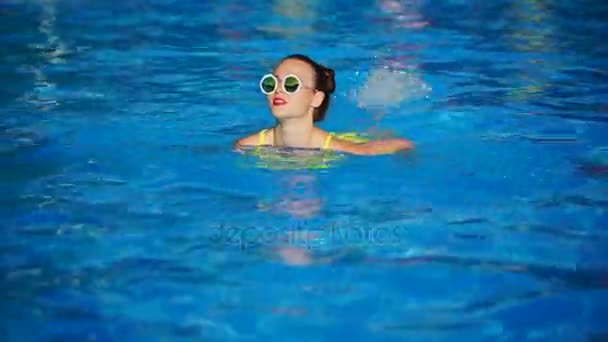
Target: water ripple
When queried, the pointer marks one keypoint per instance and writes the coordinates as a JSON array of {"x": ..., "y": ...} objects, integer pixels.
[
  {"x": 116, "y": 171},
  {"x": 579, "y": 278}
]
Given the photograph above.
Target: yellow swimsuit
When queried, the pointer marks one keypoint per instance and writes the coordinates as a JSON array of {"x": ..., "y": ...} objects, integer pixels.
[
  {"x": 262, "y": 138},
  {"x": 272, "y": 160}
]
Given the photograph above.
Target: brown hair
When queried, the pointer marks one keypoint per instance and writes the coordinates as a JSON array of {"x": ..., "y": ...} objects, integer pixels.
[{"x": 324, "y": 81}]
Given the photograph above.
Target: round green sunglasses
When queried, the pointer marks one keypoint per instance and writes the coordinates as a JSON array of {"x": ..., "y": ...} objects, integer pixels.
[{"x": 291, "y": 84}]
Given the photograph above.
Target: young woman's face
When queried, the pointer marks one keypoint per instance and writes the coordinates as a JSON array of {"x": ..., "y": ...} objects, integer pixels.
[{"x": 284, "y": 104}]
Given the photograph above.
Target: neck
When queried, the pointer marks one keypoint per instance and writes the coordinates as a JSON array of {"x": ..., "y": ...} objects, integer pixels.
[{"x": 294, "y": 132}]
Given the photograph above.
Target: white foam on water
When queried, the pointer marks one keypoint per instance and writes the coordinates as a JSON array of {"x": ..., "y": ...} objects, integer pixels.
[{"x": 388, "y": 88}]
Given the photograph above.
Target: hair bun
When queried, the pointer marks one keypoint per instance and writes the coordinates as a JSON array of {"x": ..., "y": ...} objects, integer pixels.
[{"x": 330, "y": 82}]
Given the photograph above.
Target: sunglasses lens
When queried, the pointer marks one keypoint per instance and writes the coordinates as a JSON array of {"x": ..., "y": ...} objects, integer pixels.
[
  {"x": 268, "y": 84},
  {"x": 291, "y": 84}
]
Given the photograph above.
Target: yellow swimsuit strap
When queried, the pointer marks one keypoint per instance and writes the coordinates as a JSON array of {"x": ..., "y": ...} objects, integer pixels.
[
  {"x": 262, "y": 137},
  {"x": 327, "y": 139}
]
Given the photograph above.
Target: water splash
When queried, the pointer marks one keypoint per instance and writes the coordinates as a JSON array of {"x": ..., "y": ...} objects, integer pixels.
[{"x": 388, "y": 88}]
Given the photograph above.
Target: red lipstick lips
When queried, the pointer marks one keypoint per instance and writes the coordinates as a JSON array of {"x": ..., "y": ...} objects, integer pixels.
[{"x": 277, "y": 101}]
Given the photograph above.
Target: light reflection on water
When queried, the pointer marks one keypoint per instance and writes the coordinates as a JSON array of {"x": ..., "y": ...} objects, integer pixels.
[{"x": 118, "y": 177}]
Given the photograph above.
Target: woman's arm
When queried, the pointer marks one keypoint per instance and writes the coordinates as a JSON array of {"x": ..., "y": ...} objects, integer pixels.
[
  {"x": 251, "y": 140},
  {"x": 372, "y": 147}
]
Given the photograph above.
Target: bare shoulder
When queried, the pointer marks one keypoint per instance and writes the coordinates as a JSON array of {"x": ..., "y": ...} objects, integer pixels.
[{"x": 250, "y": 140}]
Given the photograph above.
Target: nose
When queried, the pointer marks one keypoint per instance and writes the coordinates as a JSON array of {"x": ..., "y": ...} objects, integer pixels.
[{"x": 280, "y": 88}]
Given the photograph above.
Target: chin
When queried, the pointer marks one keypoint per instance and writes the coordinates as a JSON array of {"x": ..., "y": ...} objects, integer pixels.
[{"x": 282, "y": 113}]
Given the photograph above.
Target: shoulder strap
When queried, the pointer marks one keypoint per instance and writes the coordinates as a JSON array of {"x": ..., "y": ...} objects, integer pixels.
[
  {"x": 327, "y": 140},
  {"x": 262, "y": 137}
]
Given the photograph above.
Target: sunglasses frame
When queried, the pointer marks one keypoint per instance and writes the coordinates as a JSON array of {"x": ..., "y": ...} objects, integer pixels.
[{"x": 276, "y": 82}]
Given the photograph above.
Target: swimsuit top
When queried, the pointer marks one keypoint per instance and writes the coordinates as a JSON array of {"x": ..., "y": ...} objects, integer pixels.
[
  {"x": 323, "y": 161},
  {"x": 262, "y": 138}
]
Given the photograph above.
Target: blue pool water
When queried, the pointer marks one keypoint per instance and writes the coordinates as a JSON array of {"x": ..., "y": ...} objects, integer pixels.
[{"x": 126, "y": 215}]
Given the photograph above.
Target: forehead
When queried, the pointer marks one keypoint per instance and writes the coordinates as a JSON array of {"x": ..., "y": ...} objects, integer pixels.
[{"x": 294, "y": 66}]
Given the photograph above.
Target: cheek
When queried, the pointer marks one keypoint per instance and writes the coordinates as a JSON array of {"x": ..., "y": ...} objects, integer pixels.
[{"x": 301, "y": 100}]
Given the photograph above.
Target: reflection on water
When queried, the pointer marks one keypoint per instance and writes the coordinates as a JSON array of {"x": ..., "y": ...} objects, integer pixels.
[
  {"x": 28, "y": 58},
  {"x": 52, "y": 51},
  {"x": 292, "y": 18},
  {"x": 533, "y": 29},
  {"x": 595, "y": 163},
  {"x": 299, "y": 197},
  {"x": 533, "y": 33},
  {"x": 297, "y": 10},
  {"x": 404, "y": 13},
  {"x": 113, "y": 236}
]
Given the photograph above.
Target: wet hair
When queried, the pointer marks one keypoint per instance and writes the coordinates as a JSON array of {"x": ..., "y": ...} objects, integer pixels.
[{"x": 324, "y": 81}]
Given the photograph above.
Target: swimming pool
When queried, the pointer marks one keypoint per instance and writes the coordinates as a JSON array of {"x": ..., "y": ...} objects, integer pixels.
[{"x": 126, "y": 215}]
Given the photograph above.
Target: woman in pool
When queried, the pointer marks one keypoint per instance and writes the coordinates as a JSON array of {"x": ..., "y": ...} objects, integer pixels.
[{"x": 298, "y": 94}]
